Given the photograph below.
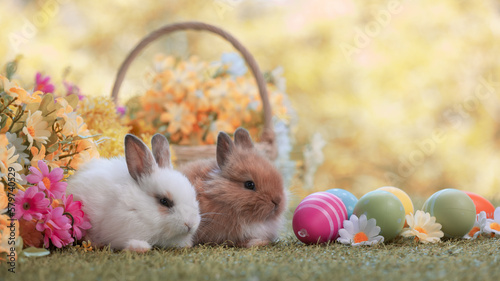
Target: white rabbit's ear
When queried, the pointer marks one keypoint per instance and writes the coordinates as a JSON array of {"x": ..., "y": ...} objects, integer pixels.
[
  {"x": 242, "y": 138},
  {"x": 224, "y": 148},
  {"x": 161, "y": 151},
  {"x": 139, "y": 159}
]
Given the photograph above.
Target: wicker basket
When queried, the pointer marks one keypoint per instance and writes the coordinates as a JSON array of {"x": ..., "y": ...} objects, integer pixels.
[{"x": 189, "y": 153}]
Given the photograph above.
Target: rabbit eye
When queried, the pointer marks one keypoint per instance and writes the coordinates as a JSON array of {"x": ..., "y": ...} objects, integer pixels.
[
  {"x": 166, "y": 202},
  {"x": 250, "y": 185}
]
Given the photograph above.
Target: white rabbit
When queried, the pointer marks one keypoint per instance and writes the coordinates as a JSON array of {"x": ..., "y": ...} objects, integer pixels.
[{"x": 137, "y": 201}]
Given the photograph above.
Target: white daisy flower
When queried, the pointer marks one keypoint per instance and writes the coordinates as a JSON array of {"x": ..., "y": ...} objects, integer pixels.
[
  {"x": 360, "y": 232},
  {"x": 423, "y": 227},
  {"x": 478, "y": 228},
  {"x": 493, "y": 225},
  {"x": 36, "y": 128},
  {"x": 9, "y": 160}
]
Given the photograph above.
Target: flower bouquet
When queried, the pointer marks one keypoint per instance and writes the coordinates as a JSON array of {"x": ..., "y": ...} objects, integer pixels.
[{"x": 43, "y": 141}]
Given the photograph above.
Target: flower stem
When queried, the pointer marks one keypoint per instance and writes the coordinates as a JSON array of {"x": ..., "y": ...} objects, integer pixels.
[
  {"x": 1, "y": 111},
  {"x": 18, "y": 116}
]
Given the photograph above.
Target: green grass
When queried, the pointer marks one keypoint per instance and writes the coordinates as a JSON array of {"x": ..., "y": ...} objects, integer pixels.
[{"x": 287, "y": 259}]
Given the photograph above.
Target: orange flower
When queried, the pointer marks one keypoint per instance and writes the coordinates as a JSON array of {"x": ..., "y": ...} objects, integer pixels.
[
  {"x": 4, "y": 200},
  {"x": 86, "y": 150},
  {"x": 37, "y": 155},
  {"x": 65, "y": 109},
  {"x": 179, "y": 118},
  {"x": 217, "y": 126},
  {"x": 187, "y": 98},
  {"x": 13, "y": 90}
]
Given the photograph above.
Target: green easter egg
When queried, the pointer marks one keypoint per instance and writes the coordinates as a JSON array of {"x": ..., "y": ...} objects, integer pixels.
[
  {"x": 453, "y": 209},
  {"x": 386, "y": 209}
]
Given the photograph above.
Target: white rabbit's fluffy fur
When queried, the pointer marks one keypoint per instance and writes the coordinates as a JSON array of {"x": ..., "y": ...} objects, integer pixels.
[{"x": 126, "y": 213}]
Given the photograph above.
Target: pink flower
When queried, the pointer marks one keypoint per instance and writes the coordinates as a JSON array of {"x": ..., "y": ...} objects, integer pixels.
[
  {"x": 80, "y": 222},
  {"x": 30, "y": 204},
  {"x": 55, "y": 226},
  {"x": 43, "y": 84},
  {"x": 48, "y": 182},
  {"x": 73, "y": 89},
  {"x": 121, "y": 110}
]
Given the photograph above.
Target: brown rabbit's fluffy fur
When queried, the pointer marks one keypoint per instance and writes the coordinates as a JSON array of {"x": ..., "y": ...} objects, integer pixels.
[{"x": 232, "y": 214}]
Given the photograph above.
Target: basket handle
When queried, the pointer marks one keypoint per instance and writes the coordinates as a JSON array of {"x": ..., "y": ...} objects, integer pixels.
[{"x": 268, "y": 133}]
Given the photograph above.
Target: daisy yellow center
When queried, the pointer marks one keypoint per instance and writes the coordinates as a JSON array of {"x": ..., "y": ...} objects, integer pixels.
[
  {"x": 473, "y": 231},
  {"x": 360, "y": 237},
  {"x": 46, "y": 182},
  {"x": 495, "y": 226},
  {"x": 31, "y": 131},
  {"x": 421, "y": 230}
]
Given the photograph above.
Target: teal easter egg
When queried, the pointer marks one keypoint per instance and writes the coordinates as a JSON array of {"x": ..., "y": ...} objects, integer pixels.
[
  {"x": 453, "y": 209},
  {"x": 347, "y": 198},
  {"x": 386, "y": 209}
]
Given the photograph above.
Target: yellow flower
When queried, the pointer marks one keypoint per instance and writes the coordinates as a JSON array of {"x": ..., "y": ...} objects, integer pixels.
[
  {"x": 85, "y": 247},
  {"x": 101, "y": 119},
  {"x": 36, "y": 128},
  {"x": 423, "y": 227}
]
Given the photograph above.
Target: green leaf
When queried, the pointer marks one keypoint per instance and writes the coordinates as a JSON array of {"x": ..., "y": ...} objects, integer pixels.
[
  {"x": 3, "y": 122},
  {"x": 11, "y": 68},
  {"x": 35, "y": 252},
  {"x": 48, "y": 107},
  {"x": 51, "y": 149},
  {"x": 72, "y": 100}
]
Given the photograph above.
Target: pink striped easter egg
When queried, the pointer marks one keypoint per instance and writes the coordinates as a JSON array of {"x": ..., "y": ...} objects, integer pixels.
[{"x": 318, "y": 218}]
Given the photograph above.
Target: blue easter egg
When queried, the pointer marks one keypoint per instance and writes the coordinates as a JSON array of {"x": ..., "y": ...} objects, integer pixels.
[{"x": 347, "y": 198}]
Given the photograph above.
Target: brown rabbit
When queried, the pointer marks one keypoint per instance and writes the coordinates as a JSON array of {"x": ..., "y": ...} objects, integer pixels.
[{"x": 241, "y": 194}]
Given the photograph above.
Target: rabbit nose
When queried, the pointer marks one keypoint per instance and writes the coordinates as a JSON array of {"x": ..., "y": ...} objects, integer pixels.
[
  {"x": 188, "y": 226},
  {"x": 276, "y": 202}
]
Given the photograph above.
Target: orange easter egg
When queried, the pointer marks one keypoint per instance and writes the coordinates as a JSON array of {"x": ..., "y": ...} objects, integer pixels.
[{"x": 482, "y": 204}]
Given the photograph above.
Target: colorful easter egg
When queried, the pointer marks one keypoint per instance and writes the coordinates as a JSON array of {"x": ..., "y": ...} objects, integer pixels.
[
  {"x": 402, "y": 196},
  {"x": 386, "y": 209},
  {"x": 482, "y": 204},
  {"x": 347, "y": 198},
  {"x": 318, "y": 218},
  {"x": 453, "y": 209}
]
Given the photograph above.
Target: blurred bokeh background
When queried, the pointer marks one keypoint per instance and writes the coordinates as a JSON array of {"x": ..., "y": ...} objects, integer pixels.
[{"x": 387, "y": 92}]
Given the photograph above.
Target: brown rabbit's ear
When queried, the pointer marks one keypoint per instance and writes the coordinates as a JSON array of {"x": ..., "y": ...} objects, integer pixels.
[
  {"x": 161, "y": 151},
  {"x": 138, "y": 157},
  {"x": 242, "y": 138},
  {"x": 225, "y": 147}
]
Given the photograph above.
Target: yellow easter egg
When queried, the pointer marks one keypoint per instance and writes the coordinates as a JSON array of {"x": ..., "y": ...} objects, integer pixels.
[{"x": 402, "y": 196}]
